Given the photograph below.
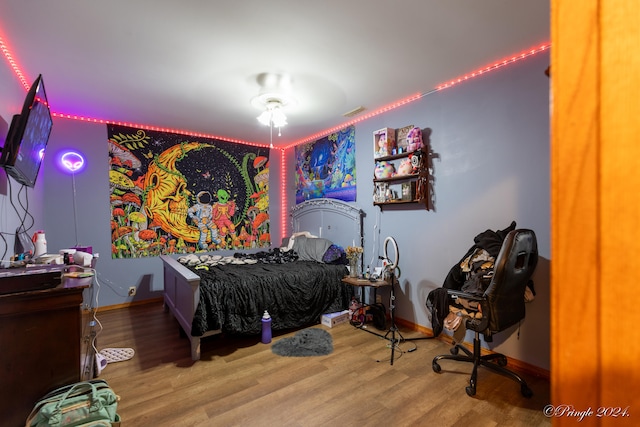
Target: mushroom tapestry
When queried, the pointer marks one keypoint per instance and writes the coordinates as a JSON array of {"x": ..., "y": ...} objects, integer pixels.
[
  {"x": 327, "y": 167},
  {"x": 172, "y": 193}
]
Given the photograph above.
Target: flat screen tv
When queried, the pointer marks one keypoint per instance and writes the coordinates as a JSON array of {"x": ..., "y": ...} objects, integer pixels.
[{"x": 28, "y": 135}]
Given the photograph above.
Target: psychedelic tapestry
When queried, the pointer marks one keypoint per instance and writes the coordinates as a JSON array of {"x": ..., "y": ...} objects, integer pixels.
[
  {"x": 173, "y": 193},
  {"x": 327, "y": 167}
]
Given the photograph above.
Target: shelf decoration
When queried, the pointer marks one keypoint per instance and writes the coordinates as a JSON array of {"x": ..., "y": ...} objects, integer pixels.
[
  {"x": 384, "y": 142},
  {"x": 353, "y": 255},
  {"x": 405, "y": 176},
  {"x": 414, "y": 139},
  {"x": 401, "y": 138},
  {"x": 384, "y": 170}
]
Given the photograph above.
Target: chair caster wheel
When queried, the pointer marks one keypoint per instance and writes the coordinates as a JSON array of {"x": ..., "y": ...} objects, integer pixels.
[
  {"x": 436, "y": 367},
  {"x": 526, "y": 391},
  {"x": 454, "y": 350},
  {"x": 471, "y": 391}
]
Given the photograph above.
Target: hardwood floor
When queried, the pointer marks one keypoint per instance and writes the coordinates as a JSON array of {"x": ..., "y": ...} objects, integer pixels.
[{"x": 240, "y": 382}]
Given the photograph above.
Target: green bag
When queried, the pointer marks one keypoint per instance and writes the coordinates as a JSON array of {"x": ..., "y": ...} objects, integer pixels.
[{"x": 87, "y": 403}]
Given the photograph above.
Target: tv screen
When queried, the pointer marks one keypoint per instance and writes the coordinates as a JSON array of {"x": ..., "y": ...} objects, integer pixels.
[{"x": 28, "y": 135}]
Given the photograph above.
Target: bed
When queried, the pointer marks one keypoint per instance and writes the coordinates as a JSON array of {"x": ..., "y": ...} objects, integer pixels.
[{"x": 208, "y": 297}]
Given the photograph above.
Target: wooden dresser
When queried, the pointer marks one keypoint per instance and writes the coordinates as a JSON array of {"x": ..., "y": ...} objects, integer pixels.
[{"x": 40, "y": 339}]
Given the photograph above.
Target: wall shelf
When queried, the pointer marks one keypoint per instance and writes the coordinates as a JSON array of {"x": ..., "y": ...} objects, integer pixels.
[
  {"x": 398, "y": 178},
  {"x": 399, "y": 182},
  {"x": 396, "y": 202}
]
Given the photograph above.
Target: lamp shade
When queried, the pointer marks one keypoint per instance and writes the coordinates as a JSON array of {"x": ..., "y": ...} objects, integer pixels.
[{"x": 273, "y": 115}]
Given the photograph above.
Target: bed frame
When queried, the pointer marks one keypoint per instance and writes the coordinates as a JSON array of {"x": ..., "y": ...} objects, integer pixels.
[{"x": 331, "y": 219}]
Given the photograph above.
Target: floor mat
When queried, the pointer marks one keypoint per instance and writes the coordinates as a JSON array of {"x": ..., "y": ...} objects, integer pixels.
[
  {"x": 112, "y": 355},
  {"x": 308, "y": 342}
]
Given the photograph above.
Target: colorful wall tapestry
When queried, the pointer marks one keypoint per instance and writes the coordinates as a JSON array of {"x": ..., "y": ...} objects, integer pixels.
[
  {"x": 327, "y": 167},
  {"x": 172, "y": 193}
]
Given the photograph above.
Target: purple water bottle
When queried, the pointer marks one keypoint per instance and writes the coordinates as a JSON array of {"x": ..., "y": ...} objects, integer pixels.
[{"x": 266, "y": 328}]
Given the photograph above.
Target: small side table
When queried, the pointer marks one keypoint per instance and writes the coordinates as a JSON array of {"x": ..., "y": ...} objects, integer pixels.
[
  {"x": 392, "y": 335},
  {"x": 362, "y": 283}
]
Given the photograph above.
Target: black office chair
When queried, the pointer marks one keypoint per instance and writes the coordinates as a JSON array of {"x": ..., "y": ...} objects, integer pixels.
[{"x": 502, "y": 305}]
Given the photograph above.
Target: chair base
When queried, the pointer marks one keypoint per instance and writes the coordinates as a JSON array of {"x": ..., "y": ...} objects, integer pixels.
[{"x": 478, "y": 360}]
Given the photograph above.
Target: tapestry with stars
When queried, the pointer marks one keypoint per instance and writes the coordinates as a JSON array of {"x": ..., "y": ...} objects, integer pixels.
[
  {"x": 172, "y": 193},
  {"x": 327, "y": 167}
]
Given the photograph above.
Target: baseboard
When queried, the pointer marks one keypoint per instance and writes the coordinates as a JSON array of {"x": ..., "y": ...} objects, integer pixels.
[
  {"x": 515, "y": 364},
  {"x": 131, "y": 304}
]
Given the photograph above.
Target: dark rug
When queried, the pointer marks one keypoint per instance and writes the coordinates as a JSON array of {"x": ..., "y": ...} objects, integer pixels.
[{"x": 308, "y": 342}]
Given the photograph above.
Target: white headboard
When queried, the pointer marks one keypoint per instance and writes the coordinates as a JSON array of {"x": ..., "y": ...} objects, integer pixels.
[{"x": 331, "y": 219}]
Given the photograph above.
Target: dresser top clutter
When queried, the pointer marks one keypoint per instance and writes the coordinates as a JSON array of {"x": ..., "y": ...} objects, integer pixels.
[{"x": 42, "y": 277}]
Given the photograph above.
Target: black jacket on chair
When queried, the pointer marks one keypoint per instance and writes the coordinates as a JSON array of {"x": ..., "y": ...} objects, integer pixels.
[
  {"x": 489, "y": 240},
  {"x": 500, "y": 306}
]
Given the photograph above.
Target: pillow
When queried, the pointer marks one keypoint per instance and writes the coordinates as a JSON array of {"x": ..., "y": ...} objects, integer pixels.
[
  {"x": 287, "y": 242},
  {"x": 335, "y": 255},
  {"x": 310, "y": 249}
]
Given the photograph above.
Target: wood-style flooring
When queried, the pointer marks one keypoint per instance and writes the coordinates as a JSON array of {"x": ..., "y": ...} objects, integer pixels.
[{"x": 240, "y": 382}]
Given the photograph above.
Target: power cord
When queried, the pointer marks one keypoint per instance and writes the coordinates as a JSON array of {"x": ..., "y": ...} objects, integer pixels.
[
  {"x": 376, "y": 231},
  {"x": 94, "y": 311},
  {"x": 22, "y": 216},
  {"x": 399, "y": 350},
  {"x": 113, "y": 287}
]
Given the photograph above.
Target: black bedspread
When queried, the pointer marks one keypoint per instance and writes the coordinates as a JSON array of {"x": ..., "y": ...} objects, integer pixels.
[{"x": 234, "y": 297}]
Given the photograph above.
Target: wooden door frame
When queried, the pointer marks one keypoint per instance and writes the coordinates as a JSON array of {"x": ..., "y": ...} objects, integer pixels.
[{"x": 595, "y": 211}]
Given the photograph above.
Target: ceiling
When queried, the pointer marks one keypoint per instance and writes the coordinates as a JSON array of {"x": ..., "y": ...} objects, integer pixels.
[{"x": 193, "y": 65}]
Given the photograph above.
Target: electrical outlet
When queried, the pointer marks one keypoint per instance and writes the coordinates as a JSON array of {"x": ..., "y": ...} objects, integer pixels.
[{"x": 132, "y": 291}]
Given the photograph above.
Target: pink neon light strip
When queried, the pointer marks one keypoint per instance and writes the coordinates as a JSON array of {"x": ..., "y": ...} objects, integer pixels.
[
  {"x": 493, "y": 66},
  {"x": 439, "y": 87},
  {"x": 155, "y": 128},
  {"x": 12, "y": 63},
  {"x": 7, "y": 53},
  {"x": 17, "y": 70},
  {"x": 284, "y": 226},
  {"x": 377, "y": 112},
  {"x": 283, "y": 220}
]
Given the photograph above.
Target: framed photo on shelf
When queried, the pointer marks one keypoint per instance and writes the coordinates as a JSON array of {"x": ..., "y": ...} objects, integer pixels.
[{"x": 401, "y": 138}]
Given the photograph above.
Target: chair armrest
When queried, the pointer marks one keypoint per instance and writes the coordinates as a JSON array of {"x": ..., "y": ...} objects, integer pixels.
[{"x": 461, "y": 294}]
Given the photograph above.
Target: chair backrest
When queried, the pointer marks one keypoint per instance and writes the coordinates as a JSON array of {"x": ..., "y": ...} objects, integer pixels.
[{"x": 513, "y": 268}]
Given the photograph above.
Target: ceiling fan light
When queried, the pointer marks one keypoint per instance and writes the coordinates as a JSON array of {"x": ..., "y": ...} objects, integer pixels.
[
  {"x": 273, "y": 115},
  {"x": 265, "y": 118},
  {"x": 278, "y": 118}
]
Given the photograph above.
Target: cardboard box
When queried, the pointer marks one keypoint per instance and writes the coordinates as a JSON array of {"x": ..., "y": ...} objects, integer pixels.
[
  {"x": 384, "y": 142},
  {"x": 332, "y": 319}
]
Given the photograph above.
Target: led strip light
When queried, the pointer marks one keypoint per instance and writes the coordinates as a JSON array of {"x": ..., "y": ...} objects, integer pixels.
[{"x": 283, "y": 151}]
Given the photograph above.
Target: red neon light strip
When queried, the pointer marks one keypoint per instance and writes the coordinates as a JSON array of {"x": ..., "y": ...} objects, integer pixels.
[
  {"x": 493, "y": 66},
  {"x": 283, "y": 220},
  {"x": 155, "y": 128},
  {"x": 283, "y": 198},
  {"x": 377, "y": 112},
  {"x": 18, "y": 72},
  {"x": 12, "y": 63}
]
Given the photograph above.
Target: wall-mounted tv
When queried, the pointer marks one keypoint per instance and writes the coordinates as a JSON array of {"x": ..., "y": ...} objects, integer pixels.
[{"x": 28, "y": 135}]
